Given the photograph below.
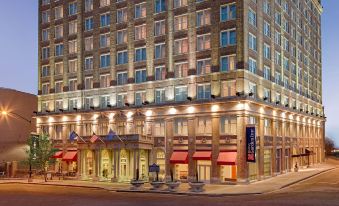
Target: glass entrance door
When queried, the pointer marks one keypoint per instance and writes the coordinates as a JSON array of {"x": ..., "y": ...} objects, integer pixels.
[{"x": 204, "y": 171}]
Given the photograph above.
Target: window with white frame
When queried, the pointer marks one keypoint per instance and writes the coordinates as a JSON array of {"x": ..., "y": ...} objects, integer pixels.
[
  {"x": 105, "y": 80},
  {"x": 252, "y": 17},
  {"x": 159, "y": 129},
  {"x": 45, "y": 35},
  {"x": 121, "y": 99},
  {"x": 89, "y": 24},
  {"x": 160, "y": 96},
  {"x": 59, "y": 104},
  {"x": 45, "y": 16},
  {"x": 267, "y": 127},
  {"x": 181, "y": 46},
  {"x": 181, "y": 69},
  {"x": 252, "y": 89},
  {"x": 160, "y": 73},
  {"x": 72, "y": 104},
  {"x": 159, "y": 28},
  {"x": 180, "y": 127},
  {"x": 160, "y": 51},
  {"x": 72, "y": 47},
  {"x": 180, "y": 93},
  {"x": 267, "y": 29},
  {"x": 252, "y": 65},
  {"x": 58, "y": 86},
  {"x": 204, "y": 91},
  {"x": 228, "y": 12},
  {"x": 59, "y": 68},
  {"x": 252, "y": 42},
  {"x": 228, "y": 38},
  {"x": 88, "y": 63},
  {"x": 73, "y": 66},
  {"x": 140, "y": 32},
  {"x": 104, "y": 101},
  {"x": 72, "y": 84},
  {"x": 267, "y": 51},
  {"x": 228, "y": 125},
  {"x": 104, "y": 40},
  {"x": 58, "y": 12},
  {"x": 180, "y": 22},
  {"x": 121, "y": 78},
  {"x": 228, "y": 88},
  {"x": 45, "y": 53},
  {"x": 105, "y": 20},
  {"x": 203, "y": 17},
  {"x": 122, "y": 57},
  {"x": 203, "y": 42},
  {"x": 59, "y": 31},
  {"x": 204, "y": 126},
  {"x": 140, "y": 97},
  {"x": 179, "y": 3},
  {"x": 105, "y": 60},
  {"x": 72, "y": 8},
  {"x": 140, "y": 75},
  {"x": 122, "y": 15},
  {"x": 88, "y": 83},
  {"x": 88, "y": 102},
  {"x": 122, "y": 36},
  {"x": 203, "y": 66},
  {"x": 140, "y": 10},
  {"x": 267, "y": 72},
  {"x": 88, "y": 5},
  {"x": 104, "y": 3},
  {"x": 89, "y": 43},
  {"x": 267, "y": 95},
  {"x": 73, "y": 27},
  {"x": 45, "y": 88},
  {"x": 45, "y": 71},
  {"x": 227, "y": 63},
  {"x": 140, "y": 54},
  {"x": 59, "y": 50}
]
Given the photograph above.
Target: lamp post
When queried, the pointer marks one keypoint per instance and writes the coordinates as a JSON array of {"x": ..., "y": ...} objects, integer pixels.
[{"x": 7, "y": 113}]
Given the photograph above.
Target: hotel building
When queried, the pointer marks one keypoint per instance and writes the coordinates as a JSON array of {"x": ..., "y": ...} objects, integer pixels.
[{"x": 179, "y": 81}]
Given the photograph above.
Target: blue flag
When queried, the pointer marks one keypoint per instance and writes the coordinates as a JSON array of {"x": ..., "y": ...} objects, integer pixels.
[
  {"x": 111, "y": 135},
  {"x": 73, "y": 136}
]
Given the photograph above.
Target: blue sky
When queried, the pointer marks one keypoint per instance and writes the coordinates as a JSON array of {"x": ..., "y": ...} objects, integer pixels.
[{"x": 19, "y": 53}]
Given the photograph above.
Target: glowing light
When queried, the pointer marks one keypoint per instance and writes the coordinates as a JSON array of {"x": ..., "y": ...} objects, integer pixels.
[
  {"x": 261, "y": 110},
  {"x": 38, "y": 120},
  {"x": 291, "y": 116},
  {"x": 215, "y": 108},
  {"x": 111, "y": 115},
  {"x": 4, "y": 113},
  {"x": 95, "y": 116},
  {"x": 172, "y": 111},
  {"x": 190, "y": 109},
  {"x": 149, "y": 113},
  {"x": 64, "y": 118},
  {"x": 78, "y": 118},
  {"x": 274, "y": 112},
  {"x": 283, "y": 115},
  {"x": 50, "y": 119},
  {"x": 129, "y": 114}
]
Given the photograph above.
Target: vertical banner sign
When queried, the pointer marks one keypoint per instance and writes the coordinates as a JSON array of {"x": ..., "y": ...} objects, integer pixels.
[{"x": 250, "y": 143}]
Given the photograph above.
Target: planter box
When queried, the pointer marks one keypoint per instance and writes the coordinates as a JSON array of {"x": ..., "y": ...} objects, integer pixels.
[
  {"x": 137, "y": 185},
  {"x": 157, "y": 185},
  {"x": 172, "y": 186},
  {"x": 197, "y": 186}
]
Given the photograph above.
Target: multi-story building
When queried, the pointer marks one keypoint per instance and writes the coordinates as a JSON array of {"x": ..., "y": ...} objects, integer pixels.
[{"x": 178, "y": 82}]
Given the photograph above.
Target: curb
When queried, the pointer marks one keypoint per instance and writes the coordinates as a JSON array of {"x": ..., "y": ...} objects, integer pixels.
[{"x": 305, "y": 178}]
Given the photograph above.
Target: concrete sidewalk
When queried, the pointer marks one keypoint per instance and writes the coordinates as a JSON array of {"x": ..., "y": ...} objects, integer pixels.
[{"x": 260, "y": 187}]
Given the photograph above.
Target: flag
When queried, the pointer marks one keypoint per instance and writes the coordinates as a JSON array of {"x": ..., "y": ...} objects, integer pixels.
[
  {"x": 94, "y": 138},
  {"x": 111, "y": 135},
  {"x": 74, "y": 136}
]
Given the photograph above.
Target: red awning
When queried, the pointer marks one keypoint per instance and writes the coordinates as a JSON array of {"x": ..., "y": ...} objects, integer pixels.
[
  {"x": 70, "y": 156},
  {"x": 179, "y": 157},
  {"x": 202, "y": 155},
  {"x": 227, "y": 158},
  {"x": 57, "y": 155}
]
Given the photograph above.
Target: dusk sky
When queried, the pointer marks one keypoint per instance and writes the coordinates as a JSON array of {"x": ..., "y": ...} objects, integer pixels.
[{"x": 19, "y": 53}]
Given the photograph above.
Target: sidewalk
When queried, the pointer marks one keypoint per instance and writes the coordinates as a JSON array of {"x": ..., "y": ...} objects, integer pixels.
[{"x": 260, "y": 187}]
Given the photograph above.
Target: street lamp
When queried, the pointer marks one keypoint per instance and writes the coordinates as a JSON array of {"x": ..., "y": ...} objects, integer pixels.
[{"x": 6, "y": 113}]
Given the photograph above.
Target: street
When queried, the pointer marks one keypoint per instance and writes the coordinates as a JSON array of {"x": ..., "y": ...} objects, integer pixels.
[{"x": 320, "y": 190}]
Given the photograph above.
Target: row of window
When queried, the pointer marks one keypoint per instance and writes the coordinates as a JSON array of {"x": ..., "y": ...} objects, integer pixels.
[{"x": 203, "y": 66}]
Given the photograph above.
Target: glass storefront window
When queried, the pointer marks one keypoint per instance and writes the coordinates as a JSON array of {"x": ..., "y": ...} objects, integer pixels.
[{"x": 267, "y": 162}]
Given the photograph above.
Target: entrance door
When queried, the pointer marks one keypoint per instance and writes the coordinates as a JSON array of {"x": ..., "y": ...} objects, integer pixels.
[{"x": 204, "y": 173}]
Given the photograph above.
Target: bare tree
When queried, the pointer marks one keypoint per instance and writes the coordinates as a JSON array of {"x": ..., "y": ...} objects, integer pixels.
[{"x": 329, "y": 146}]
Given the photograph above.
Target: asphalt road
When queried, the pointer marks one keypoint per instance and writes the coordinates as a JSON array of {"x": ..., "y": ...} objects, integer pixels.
[{"x": 320, "y": 190}]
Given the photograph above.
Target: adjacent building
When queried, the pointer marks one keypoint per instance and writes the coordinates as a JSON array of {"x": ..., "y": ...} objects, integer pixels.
[
  {"x": 177, "y": 82},
  {"x": 16, "y": 124}
]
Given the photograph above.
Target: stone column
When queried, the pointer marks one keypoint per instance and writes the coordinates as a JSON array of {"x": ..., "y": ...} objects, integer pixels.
[
  {"x": 274, "y": 147},
  {"x": 215, "y": 149},
  {"x": 242, "y": 166},
  {"x": 261, "y": 135},
  {"x": 96, "y": 165},
  {"x": 169, "y": 124},
  {"x": 192, "y": 164},
  {"x": 79, "y": 165},
  {"x": 284, "y": 133}
]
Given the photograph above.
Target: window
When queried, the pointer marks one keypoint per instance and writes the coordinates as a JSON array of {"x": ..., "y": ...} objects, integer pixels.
[
  {"x": 88, "y": 83},
  {"x": 45, "y": 71},
  {"x": 105, "y": 20},
  {"x": 122, "y": 36},
  {"x": 104, "y": 3},
  {"x": 228, "y": 125},
  {"x": 89, "y": 24},
  {"x": 267, "y": 7},
  {"x": 45, "y": 2},
  {"x": 59, "y": 31},
  {"x": 277, "y": 78},
  {"x": 73, "y": 66},
  {"x": 179, "y": 3},
  {"x": 58, "y": 106},
  {"x": 277, "y": 18},
  {"x": 160, "y": 51},
  {"x": 140, "y": 10},
  {"x": 204, "y": 126},
  {"x": 228, "y": 12},
  {"x": 204, "y": 91},
  {"x": 228, "y": 88},
  {"x": 277, "y": 58},
  {"x": 58, "y": 12},
  {"x": 59, "y": 68},
  {"x": 267, "y": 72},
  {"x": 204, "y": 66},
  {"x": 44, "y": 107},
  {"x": 203, "y": 17},
  {"x": 181, "y": 46},
  {"x": 181, "y": 93},
  {"x": 140, "y": 54},
  {"x": 121, "y": 78},
  {"x": 159, "y": 131},
  {"x": 88, "y": 5},
  {"x": 181, "y": 69},
  {"x": 121, "y": 99},
  {"x": 89, "y": 43},
  {"x": 45, "y": 35},
  {"x": 105, "y": 60},
  {"x": 88, "y": 102},
  {"x": 203, "y": 42},
  {"x": 252, "y": 42},
  {"x": 180, "y": 127},
  {"x": 277, "y": 38},
  {"x": 159, "y": 28},
  {"x": 104, "y": 40},
  {"x": 267, "y": 29},
  {"x": 267, "y": 51},
  {"x": 227, "y": 63},
  {"x": 252, "y": 18},
  {"x": 59, "y": 50},
  {"x": 140, "y": 97},
  {"x": 140, "y": 32},
  {"x": 72, "y": 85},
  {"x": 180, "y": 23},
  {"x": 72, "y": 47},
  {"x": 159, "y": 96},
  {"x": 228, "y": 38},
  {"x": 252, "y": 65},
  {"x": 267, "y": 95},
  {"x": 72, "y": 27},
  {"x": 122, "y": 57},
  {"x": 160, "y": 73},
  {"x": 267, "y": 127},
  {"x": 45, "y": 16},
  {"x": 159, "y": 6},
  {"x": 122, "y": 15},
  {"x": 286, "y": 64},
  {"x": 105, "y": 80},
  {"x": 140, "y": 76},
  {"x": 252, "y": 88},
  {"x": 72, "y": 8},
  {"x": 72, "y": 103},
  {"x": 88, "y": 63},
  {"x": 45, "y": 53},
  {"x": 104, "y": 101}
]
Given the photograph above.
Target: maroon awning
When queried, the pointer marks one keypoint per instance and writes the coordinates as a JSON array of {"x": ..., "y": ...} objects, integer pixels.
[
  {"x": 227, "y": 158},
  {"x": 202, "y": 155},
  {"x": 179, "y": 157},
  {"x": 70, "y": 156}
]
